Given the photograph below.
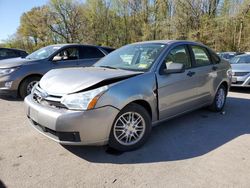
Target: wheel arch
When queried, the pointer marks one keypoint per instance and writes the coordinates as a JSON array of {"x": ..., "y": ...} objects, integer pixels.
[
  {"x": 26, "y": 77},
  {"x": 225, "y": 84},
  {"x": 145, "y": 104}
]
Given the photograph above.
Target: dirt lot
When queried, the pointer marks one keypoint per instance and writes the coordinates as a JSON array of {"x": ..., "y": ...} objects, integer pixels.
[{"x": 200, "y": 149}]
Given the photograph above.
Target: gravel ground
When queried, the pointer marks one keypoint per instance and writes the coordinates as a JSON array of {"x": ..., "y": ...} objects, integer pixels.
[{"x": 200, "y": 149}]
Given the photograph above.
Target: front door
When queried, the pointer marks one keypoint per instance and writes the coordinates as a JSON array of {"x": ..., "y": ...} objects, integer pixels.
[
  {"x": 177, "y": 92},
  {"x": 67, "y": 57}
]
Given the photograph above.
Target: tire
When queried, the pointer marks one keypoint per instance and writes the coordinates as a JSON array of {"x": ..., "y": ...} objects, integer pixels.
[
  {"x": 26, "y": 86},
  {"x": 123, "y": 127},
  {"x": 219, "y": 99}
]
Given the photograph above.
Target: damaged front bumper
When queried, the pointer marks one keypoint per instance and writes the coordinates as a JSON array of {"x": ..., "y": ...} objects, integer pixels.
[{"x": 70, "y": 127}]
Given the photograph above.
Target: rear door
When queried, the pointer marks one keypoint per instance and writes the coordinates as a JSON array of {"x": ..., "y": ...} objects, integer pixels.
[
  {"x": 177, "y": 92},
  {"x": 89, "y": 55},
  {"x": 206, "y": 72}
]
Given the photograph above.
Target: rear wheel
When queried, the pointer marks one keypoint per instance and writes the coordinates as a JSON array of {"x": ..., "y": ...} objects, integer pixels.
[
  {"x": 27, "y": 85},
  {"x": 219, "y": 99},
  {"x": 131, "y": 128}
]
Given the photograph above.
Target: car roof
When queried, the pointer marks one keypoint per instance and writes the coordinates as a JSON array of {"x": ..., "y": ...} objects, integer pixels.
[
  {"x": 74, "y": 44},
  {"x": 228, "y": 52},
  {"x": 243, "y": 55},
  {"x": 106, "y": 47},
  {"x": 169, "y": 42}
]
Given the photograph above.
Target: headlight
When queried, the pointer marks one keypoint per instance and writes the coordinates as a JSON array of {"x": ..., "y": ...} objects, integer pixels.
[
  {"x": 230, "y": 73},
  {"x": 4, "y": 72},
  {"x": 83, "y": 101}
]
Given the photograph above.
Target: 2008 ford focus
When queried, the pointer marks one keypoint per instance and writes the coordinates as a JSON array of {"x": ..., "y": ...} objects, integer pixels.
[{"x": 120, "y": 98}]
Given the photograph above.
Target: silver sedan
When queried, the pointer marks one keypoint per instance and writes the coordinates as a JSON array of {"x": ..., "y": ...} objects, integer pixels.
[
  {"x": 241, "y": 70},
  {"x": 120, "y": 98}
]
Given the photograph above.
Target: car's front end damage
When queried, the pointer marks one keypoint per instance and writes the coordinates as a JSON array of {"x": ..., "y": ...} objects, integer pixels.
[{"x": 67, "y": 111}]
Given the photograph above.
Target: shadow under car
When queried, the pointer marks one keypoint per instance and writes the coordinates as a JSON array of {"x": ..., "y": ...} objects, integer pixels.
[{"x": 188, "y": 136}]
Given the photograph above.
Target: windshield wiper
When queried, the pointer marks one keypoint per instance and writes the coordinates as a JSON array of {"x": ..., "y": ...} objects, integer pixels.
[{"x": 109, "y": 67}]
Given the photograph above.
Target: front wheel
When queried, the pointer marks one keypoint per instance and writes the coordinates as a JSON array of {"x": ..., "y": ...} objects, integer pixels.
[
  {"x": 219, "y": 99},
  {"x": 131, "y": 128},
  {"x": 27, "y": 85}
]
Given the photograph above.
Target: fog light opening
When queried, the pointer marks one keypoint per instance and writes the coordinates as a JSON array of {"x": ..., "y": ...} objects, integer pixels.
[{"x": 8, "y": 84}]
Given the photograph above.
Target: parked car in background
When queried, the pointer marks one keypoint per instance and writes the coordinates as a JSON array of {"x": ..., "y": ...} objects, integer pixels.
[
  {"x": 19, "y": 75},
  {"x": 229, "y": 55},
  {"x": 119, "y": 99},
  {"x": 241, "y": 70},
  {"x": 6, "y": 53}
]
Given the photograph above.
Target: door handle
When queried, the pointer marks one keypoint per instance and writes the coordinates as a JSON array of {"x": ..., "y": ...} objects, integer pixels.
[
  {"x": 190, "y": 73},
  {"x": 214, "y": 68}
]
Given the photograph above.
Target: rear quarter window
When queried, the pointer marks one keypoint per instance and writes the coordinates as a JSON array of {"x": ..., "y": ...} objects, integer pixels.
[
  {"x": 214, "y": 57},
  {"x": 23, "y": 54},
  {"x": 108, "y": 50}
]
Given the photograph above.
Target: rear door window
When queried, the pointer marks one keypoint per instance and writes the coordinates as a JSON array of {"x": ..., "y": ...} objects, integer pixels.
[
  {"x": 201, "y": 56},
  {"x": 89, "y": 52},
  {"x": 6, "y": 53}
]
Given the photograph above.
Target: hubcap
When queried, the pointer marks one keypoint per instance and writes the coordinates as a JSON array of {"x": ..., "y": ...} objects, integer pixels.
[
  {"x": 129, "y": 128},
  {"x": 30, "y": 86},
  {"x": 220, "y": 99}
]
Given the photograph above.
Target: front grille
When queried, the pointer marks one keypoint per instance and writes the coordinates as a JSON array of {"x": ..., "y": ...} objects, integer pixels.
[
  {"x": 240, "y": 73},
  {"x": 55, "y": 104},
  {"x": 41, "y": 97},
  {"x": 238, "y": 82},
  {"x": 62, "y": 136}
]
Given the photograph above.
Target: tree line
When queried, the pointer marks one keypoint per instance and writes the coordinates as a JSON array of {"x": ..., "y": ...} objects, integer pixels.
[{"x": 223, "y": 25}]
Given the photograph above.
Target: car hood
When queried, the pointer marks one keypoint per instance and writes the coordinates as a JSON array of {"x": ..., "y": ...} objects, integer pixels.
[
  {"x": 13, "y": 62},
  {"x": 71, "y": 80},
  {"x": 241, "y": 67}
]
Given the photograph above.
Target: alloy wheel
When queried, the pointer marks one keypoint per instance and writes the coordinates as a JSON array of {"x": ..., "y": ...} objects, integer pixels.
[
  {"x": 129, "y": 128},
  {"x": 30, "y": 86},
  {"x": 220, "y": 98}
]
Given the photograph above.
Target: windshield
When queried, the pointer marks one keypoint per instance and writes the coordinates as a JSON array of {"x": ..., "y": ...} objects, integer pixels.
[
  {"x": 240, "y": 59},
  {"x": 135, "y": 57},
  {"x": 43, "y": 53},
  {"x": 228, "y": 56}
]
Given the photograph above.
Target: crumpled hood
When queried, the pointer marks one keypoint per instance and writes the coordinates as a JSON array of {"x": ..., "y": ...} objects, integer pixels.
[
  {"x": 13, "y": 62},
  {"x": 71, "y": 80},
  {"x": 241, "y": 67}
]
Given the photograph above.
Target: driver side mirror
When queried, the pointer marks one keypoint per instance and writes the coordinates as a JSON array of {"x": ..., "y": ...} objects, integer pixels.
[
  {"x": 57, "y": 58},
  {"x": 172, "y": 68}
]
